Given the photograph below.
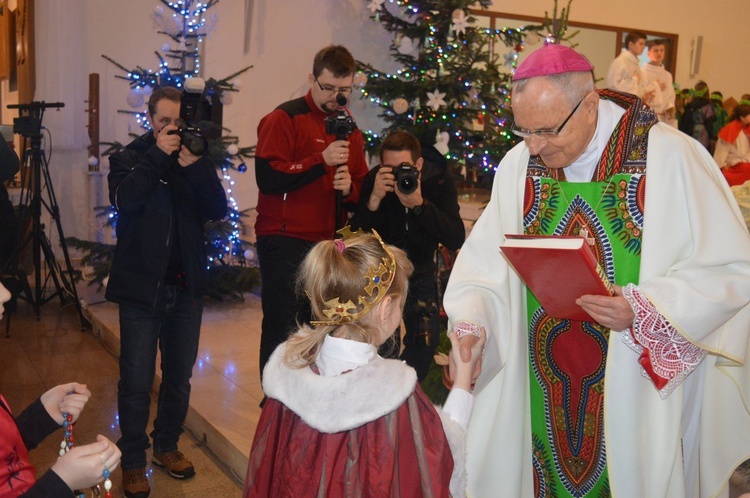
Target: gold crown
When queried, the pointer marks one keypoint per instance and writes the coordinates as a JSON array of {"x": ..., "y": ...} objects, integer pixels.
[{"x": 379, "y": 278}]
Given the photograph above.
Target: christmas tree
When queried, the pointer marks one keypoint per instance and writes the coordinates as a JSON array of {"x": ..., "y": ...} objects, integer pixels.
[
  {"x": 451, "y": 89},
  {"x": 232, "y": 265}
]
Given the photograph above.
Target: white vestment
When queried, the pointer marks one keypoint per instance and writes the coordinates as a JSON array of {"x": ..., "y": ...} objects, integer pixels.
[
  {"x": 662, "y": 100},
  {"x": 624, "y": 75},
  {"x": 695, "y": 269}
]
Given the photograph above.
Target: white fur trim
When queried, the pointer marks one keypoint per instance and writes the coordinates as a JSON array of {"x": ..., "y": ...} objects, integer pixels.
[{"x": 343, "y": 402}]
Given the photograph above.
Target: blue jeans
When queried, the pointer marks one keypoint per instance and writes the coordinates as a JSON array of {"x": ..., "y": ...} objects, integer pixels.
[{"x": 175, "y": 327}]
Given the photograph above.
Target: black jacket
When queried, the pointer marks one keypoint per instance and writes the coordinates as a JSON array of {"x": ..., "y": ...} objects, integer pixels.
[
  {"x": 418, "y": 234},
  {"x": 154, "y": 198},
  {"x": 8, "y": 224}
]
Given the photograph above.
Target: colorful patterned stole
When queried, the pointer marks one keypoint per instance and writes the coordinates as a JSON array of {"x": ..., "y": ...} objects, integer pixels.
[{"x": 568, "y": 358}]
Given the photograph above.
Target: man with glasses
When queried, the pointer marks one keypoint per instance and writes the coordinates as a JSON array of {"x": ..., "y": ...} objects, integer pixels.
[
  {"x": 299, "y": 169},
  {"x": 417, "y": 220},
  {"x": 645, "y": 398}
]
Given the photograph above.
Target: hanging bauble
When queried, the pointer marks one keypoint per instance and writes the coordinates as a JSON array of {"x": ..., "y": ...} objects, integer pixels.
[
  {"x": 236, "y": 83},
  {"x": 360, "y": 79},
  {"x": 407, "y": 45},
  {"x": 166, "y": 47},
  {"x": 93, "y": 161},
  {"x": 232, "y": 149},
  {"x": 436, "y": 99},
  {"x": 249, "y": 254},
  {"x": 532, "y": 38},
  {"x": 147, "y": 90},
  {"x": 441, "y": 142},
  {"x": 518, "y": 47},
  {"x": 226, "y": 98},
  {"x": 242, "y": 167},
  {"x": 460, "y": 21},
  {"x": 400, "y": 106},
  {"x": 159, "y": 11},
  {"x": 375, "y": 5},
  {"x": 135, "y": 98},
  {"x": 87, "y": 273}
]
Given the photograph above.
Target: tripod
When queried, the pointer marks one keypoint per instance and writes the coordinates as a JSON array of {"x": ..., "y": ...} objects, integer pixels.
[{"x": 35, "y": 184}]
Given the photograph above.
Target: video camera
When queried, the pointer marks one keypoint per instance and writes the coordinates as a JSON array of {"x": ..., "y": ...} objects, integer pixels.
[
  {"x": 29, "y": 122},
  {"x": 407, "y": 178},
  {"x": 340, "y": 124},
  {"x": 200, "y": 115}
]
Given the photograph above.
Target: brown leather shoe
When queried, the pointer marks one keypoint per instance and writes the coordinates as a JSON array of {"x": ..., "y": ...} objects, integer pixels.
[
  {"x": 135, "y": 484},
  {"x": 175, "y": 463}
]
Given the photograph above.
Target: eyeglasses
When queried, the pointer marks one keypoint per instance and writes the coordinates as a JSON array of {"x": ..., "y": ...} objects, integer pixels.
[
  {"x": 520, "y": 132},
  {"x": 332, "y": 89}
]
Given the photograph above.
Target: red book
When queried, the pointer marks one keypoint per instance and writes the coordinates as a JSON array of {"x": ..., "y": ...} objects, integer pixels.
[{"x": 558, "y": 270}]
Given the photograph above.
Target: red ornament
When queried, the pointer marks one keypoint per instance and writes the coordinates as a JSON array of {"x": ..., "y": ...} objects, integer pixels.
[{"x": 519, "y": 47}]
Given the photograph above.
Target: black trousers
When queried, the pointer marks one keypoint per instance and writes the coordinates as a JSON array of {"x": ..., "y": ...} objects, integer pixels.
[
  {"x": 422, "y": 323},
  {"x": 279, "y": 257}
]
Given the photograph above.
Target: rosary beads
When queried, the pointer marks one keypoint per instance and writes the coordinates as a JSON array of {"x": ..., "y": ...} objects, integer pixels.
[{"x": 67, "y": 444}]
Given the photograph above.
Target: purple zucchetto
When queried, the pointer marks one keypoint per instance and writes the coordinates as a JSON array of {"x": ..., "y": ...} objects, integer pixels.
[{"x": 552, "y": 59}]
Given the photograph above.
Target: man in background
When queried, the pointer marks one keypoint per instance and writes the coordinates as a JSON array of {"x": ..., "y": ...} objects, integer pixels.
[
  {"x": 303, "y": 172},
  {"x": 415, "y": 214},
  {"x": 163, "y": 194},
  {"x": 624, "y": 74},
  {"x": 655, "y": 76}
]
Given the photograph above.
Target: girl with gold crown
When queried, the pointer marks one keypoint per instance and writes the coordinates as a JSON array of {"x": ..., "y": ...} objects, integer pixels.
[{"x": 338, "y": 419}]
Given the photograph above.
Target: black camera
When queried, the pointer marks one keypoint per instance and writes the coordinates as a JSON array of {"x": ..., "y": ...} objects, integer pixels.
[
  {"x": 200, "y": 116},
  {"x": 340, "y": 124},
  {"x": 407, "y": 178}
]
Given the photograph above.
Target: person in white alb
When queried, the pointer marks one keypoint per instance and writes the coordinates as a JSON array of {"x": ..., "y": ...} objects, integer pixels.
[
  {"x": 655, "y": 76},
  {"x": 624, "y": 74},
  {"x": 651, "y": 396}
]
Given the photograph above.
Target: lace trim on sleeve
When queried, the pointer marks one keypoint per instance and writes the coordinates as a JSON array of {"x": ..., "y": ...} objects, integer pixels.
[{"x": 666, "y": 357}]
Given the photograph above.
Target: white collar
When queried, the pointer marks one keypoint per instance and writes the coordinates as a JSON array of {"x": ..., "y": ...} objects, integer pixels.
[
  {"x": 338, "y": 355},
  {"x": 582, "y": 169}
]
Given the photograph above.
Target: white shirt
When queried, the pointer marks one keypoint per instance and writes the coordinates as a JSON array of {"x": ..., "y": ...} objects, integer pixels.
[
  {"x": 662, "y": 100},
  {"x": 624, "y": 74}
]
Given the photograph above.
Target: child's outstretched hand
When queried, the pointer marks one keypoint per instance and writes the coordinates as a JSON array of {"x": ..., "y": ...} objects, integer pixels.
[
  {"x": 65, "y": 398},
  {"x": 465, "y": 368}
]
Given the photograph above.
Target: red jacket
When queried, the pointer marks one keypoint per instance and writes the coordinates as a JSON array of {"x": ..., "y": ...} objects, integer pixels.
[{"x": 296, "y": 195}]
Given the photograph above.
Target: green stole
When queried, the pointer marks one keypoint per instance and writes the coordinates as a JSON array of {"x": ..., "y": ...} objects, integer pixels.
[{"x": 567, "y": 358}]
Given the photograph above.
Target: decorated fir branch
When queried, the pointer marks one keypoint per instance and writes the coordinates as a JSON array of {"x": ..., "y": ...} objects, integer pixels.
[
  {"x": 451, "y": 89},
  {"x": 557, "y": 27}
]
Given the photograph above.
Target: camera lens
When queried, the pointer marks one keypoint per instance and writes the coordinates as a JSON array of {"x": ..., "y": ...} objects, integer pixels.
[
  {"x": 406, "y": 178},
  {"x": 407, "y": 185}
]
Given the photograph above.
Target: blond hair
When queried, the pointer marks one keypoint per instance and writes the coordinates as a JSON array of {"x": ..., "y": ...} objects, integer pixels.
[{"x": 329, "y": 272}]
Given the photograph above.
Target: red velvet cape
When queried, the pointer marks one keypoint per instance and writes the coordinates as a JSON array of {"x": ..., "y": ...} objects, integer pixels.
[{"x": 402, "y": 454}]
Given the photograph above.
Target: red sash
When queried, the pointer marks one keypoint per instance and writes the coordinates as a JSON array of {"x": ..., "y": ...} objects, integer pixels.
[{"x": 16, "y": 473}]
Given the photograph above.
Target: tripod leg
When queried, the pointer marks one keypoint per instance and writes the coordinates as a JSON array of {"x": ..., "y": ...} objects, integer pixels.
[{"x": 65, "y": 275}]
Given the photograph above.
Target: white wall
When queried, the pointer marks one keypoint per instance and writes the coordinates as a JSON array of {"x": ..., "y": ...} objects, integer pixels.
[{"x": 285, "y": 35}]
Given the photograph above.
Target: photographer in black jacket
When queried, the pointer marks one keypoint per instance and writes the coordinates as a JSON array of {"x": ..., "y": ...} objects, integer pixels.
[
  {"x": 415, "y": 213},
  {"x": 163, "y": 194},
  {"x": 9, "y": 166}
]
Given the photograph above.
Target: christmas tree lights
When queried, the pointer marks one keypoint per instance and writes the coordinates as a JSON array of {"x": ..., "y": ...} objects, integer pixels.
[
  {"x": 186, "y": 24},
  {"x": 450, "y": 80}
]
